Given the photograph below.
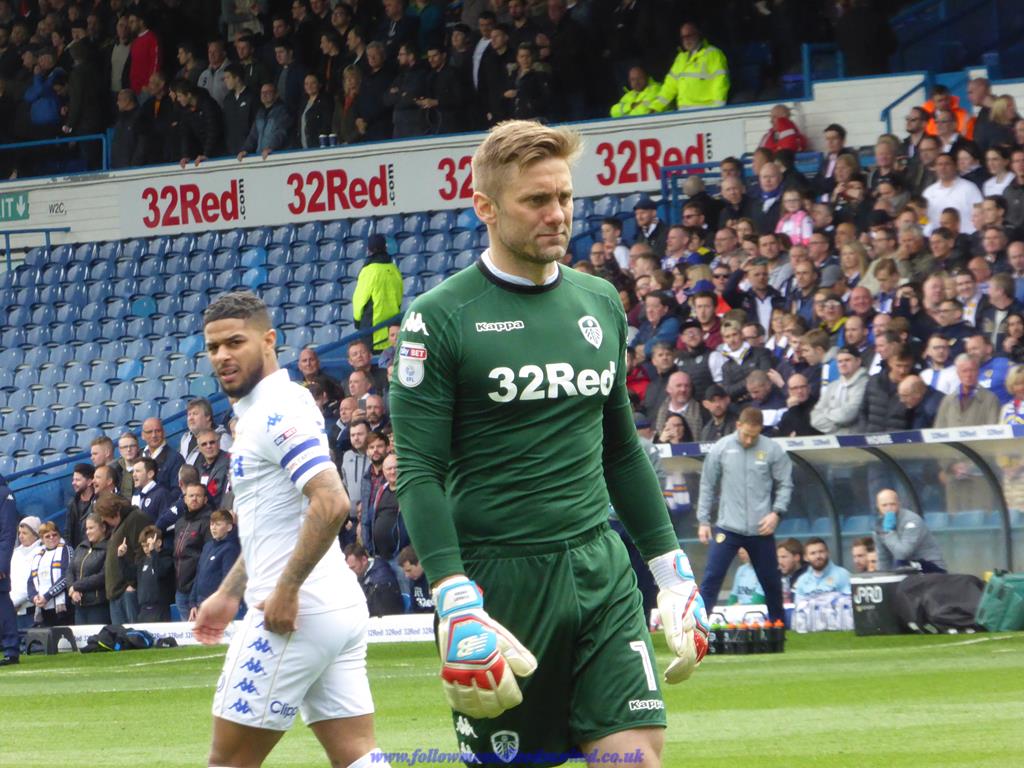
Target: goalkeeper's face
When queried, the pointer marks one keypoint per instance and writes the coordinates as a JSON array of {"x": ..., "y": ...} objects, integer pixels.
[{"x": 533, "y": 212}]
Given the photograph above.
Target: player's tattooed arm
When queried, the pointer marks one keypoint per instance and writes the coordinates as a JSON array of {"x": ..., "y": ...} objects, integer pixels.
[
  {"x": 327, "y": 512},
  {"x": 234, "y": 583}
]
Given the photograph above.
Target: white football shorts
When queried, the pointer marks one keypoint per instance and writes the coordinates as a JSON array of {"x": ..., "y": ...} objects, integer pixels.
[{"x": 318, "y": 671}]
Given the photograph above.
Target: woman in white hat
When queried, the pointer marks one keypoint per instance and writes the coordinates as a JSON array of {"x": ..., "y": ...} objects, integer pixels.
[{"x": 25, "y": 554}]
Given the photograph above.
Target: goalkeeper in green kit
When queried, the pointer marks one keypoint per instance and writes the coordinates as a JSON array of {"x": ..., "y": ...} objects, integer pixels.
[{"x": 514, "y": 432}]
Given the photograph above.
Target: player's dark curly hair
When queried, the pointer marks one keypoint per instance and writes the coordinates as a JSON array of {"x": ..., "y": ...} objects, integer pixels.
[{"x": 241, "y": 305}]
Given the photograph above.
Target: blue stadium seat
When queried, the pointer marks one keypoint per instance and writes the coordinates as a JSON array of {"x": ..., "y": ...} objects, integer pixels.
[
  {"x": 442, "y": 221},
  {"x": 232, "y": 239},
  {"x": 463, "y": 259},
  {"x": 336, "y": 230},
  {"x": 135, "y": 249},
  {"x": 283, "y": 235},
  {"x": 225, "y": 280},
  {"x": 126, "y": 286},
  {"x": 150, "y": 266},
  {"x": 362, "y": 228},
  {"x": 626, "y": 203},
  {"x": 109, "y": 251},
  {"x": 117, "y": 307},
  {"x": 355, "y": 251},
  {"x": 151, "y": 389},
  {"x": 606, "y": 206},
  {"x": 299, "y": 296},
  {"x": 175, "y": 263},
  {"x": 121, "y": 413},
  {"x": 76, "y": 373},
  {"x": 50, "y": 274},
  {"x": 66, "y": 418},
  {"x": 13, "y": 337},
  {"x": 76, "y": 272},
  {"x": 432, "y": 282},
  {"x": 27, "y": 463},
  {"x": 389, "y": 225},
  {"x": 36, "y": 357},
  {"x": 50, "y": 294},
  {"x": 299, "y": 315},
  {"x": 159, "y": 246},
  {"x": 96, "y": 416},
  {"x": 207, "y": 242},
  {"x": 38, "y": 336},
  {"x": 101, "y": 270},
  {"x": 231, "y": 258},
  {"x": 19, "y": 316},
  {"x": 411, "y": 265},
  {"x": 254, "y": 277},
  {"x": 180, "y": 367},
  {"x": 194, "y": 303},
  {"x": 190, "y": 346},
  {"x": 310, "y": 232},
  {"x": 438, "y": 262},
  {"x": 203, "y": 386},
  {"x": 274, "y": 297},
  {"x": 304, "y": 274},
  {"x": 112, "y": 329},
  {"x": 300, "y": 337},
  {"x": 70, "y": 395},
  {"x": 415, "y": 223},
  {"x": 130, "y": 369},
  {"x": 7, "y": 465},
  {"x": 250, "y": 256},
  {"x": 125, "y": 392},
  {"x": 439, "y": 242},
  {"x": 277, "y": 255},
  {"x": 411, "y": 244},
  {"x": 59, "y": 440},
  {"x": 821, "y": 526},
  {"x": 87, "y": 352},
  {"x": 199, "y": 284},
  {"x": 467, "y": 219},
  {"x": 331, "y": 272},
  {"x": 304, "y": 253},
  {"x": 326, "y": 334},
  {"x": 485, "y": 239},
  {"x": 14, "y": 444},
  {"x": 260, "y": 236},
  {"x": 92, "y": 312},
  {"x": 126, "y": 268},
  {"x": 164, "y": 327},
  {"x": 348, "y": 291},
  {"x": 145, "y": 410},
  {"x": 582, "y": 208},
  {"x": 97, "y": 291},
  {"x": 38, "y": 419},
  {"x": 329, "y": 251},
  {"x": 465, "y": 239},
  {"x": 186, "y": 325},
  {"x": 176, "y": 284},
  {"x": 97, "y": 392},
  {"x": 85, "y": 436},
  {"x": 279, "y": 276},
  {"x": 62, "y": 254},
  {"x": 199, "y": 262},
  {"x": 37, "y": 256},
  {"x": 103, "y": 370},
  {"x": 20, "y": 400},
  {"x": 174, "y": 389},
  {"x": 327, "y": 314},
  {"x": 51, "y": 376},
  {"x": 144, "y": 306},
  {"x": 25, "y": 378}
]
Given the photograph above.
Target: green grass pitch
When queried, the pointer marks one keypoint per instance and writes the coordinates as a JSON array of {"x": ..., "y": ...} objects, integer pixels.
[{"x": 835, "y": 701}]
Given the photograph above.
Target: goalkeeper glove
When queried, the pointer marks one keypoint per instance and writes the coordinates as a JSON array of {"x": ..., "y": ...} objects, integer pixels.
[
  {"x": 480, "y": 658},
  {"x": 682, "y": 614},
  {"x": 889, "y": 521}
]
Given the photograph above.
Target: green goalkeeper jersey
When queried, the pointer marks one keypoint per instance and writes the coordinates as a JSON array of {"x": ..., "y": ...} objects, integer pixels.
[{"x": 512, "y": 420}]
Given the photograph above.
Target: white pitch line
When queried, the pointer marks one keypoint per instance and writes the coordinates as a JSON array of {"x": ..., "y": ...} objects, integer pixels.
[
  {"x": 970, "y": 642},
  {"x": 176, "y": 661}
]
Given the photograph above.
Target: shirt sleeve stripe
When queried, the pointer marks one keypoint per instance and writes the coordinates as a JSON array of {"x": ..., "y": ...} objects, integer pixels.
[
  {"x": 309, "y": 465},
  {"x": 303, "y": 446}
]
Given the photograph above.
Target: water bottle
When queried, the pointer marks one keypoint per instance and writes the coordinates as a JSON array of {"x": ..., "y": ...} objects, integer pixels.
[
  {"x": 778, "y": 637},
  {"x": 729, "y": 645},
  {"x": 332, "y": 139},
  {"x": 323, "y": 139}
]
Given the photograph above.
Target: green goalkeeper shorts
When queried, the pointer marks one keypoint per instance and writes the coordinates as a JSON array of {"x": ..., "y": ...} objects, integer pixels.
[{"x": 576, "y": 607}]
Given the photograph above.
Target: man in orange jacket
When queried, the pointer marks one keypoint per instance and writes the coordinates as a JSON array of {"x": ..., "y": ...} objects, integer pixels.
[{"x": 942, "y": 99}]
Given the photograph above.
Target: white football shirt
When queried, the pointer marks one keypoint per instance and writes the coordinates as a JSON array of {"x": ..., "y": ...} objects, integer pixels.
[{"x": 280, "y": 444}]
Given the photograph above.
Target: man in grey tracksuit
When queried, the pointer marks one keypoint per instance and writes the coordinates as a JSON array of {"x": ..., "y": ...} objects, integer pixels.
[
  {"x": 753, "y": 479},
  {"x": 902, "y": 538}
]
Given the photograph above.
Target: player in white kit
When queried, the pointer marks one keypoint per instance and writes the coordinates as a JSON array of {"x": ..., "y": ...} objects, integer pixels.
[{"x": 302, "y": 646}]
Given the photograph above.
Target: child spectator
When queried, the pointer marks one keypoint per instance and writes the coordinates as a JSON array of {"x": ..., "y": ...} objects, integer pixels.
[
  {"x": 48, "y": 584},
  {"x": 795, "y": 221},
  {"x": 155, "y": 577},
  {"x": 218, "y": 555},
  {"x": 422, "y": 600}
]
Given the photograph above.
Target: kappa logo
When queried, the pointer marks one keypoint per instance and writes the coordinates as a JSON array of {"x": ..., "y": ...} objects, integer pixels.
[
  {"x": 466, "y": 754},
  {"x": 262, "y": 645},
  {"x": 639, "y": 705},
  {"x": 253, "y": 665},
  {"x": 236, "y": 467},
  {"x": 241, "y": 706},
  {"x": 500, "y": 327},
  {"x": 505, "y": 745},
  {"x": 273, "y": 421},
  {"x": 247, "y": 686},
  {"x": 591, "y": 330},
  {"x": 414, "y": 323},
  {"x": 464, "y": 728}
]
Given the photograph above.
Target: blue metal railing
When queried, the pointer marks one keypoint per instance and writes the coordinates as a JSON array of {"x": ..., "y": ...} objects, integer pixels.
[
  {"x": 45, "y": 231},
  {"x": 89, "y": 137},
  {"x": 808, "y": 51},
  {"x": 925, "y": 85}
]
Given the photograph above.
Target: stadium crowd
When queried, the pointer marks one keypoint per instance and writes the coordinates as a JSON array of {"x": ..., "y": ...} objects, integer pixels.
[{"x": 181, "y": 81}]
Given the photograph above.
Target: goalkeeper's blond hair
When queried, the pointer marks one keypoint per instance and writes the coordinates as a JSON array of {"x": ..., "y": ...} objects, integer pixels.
[{"x": 520, "y": 143}]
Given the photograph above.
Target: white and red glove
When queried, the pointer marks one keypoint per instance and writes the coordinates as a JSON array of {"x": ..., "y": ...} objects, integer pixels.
[
  {"x": 480, "y": 659},
  {"x": 682, "y": 614}
]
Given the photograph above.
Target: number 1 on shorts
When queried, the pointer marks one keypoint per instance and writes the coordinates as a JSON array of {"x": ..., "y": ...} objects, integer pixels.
[{"x": 641, "y": 647}]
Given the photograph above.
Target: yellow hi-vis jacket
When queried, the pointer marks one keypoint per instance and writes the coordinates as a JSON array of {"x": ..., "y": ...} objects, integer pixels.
[
  {"x": 633, "y": 101},
  {"x": 698, "y": 79},
  {"x": 378, "y": 296}
]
